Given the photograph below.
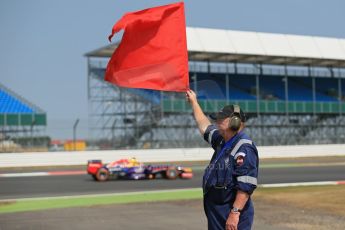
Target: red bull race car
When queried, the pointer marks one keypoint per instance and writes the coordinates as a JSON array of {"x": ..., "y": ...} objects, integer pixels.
[{"x": 134, "y": 170}]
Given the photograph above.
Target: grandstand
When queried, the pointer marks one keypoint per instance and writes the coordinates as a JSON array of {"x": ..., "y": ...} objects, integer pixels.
[
  {"x": 292, "y": 88},
  {"x": 21, "y": 122}
]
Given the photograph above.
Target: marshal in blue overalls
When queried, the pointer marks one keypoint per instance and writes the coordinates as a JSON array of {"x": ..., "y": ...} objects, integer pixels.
[{"x": 224, "y": 176}]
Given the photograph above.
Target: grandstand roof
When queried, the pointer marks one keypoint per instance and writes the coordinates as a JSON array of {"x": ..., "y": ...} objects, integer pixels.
[{"x": 206, "y": 44}]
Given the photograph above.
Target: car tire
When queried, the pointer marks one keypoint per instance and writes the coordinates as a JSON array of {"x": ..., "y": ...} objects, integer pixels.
[
  {"x": 102, "y": 174},
  {"x": 150, "y": 176},
  {"x": 94, "y": 177},
  {"x": 171, "y": 174}
]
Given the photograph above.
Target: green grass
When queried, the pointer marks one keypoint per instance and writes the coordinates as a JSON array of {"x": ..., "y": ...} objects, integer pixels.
[
  {"x": 22, "y": 205},
  {"x": 306, "y": 196}
]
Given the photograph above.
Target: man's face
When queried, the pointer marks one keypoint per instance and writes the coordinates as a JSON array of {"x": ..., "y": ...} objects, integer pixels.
[{"x": 223, "y": 125}]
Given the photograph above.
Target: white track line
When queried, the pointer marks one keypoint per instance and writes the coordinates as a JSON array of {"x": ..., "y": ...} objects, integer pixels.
[
  {"x": 281, "y": 185},
  {"x": 31, "y": 174},
  {"x": 278, "y": 185}
]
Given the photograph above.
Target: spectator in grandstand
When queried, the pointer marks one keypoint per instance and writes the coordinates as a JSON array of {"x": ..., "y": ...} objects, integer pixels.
[{"x": 231, "y": 177}]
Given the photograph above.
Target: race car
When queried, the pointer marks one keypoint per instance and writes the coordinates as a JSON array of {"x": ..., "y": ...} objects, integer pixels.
[{"x": 132, "y": 169}]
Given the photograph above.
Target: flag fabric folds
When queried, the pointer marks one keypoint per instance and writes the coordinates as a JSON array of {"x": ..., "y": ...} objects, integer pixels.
[{"x": 153, "y": 51}]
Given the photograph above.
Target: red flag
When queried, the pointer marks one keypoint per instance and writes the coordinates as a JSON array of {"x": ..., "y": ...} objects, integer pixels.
[{"x": 153, "y": 51}]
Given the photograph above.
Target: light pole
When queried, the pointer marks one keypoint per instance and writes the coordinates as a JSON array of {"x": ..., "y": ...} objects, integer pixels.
[
  {"x": 113, "y": 133},
  {"x": 75, "y": 133}
]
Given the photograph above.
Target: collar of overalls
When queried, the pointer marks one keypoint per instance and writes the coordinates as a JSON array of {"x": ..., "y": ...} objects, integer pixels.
[{"x": 228, "y": 144}]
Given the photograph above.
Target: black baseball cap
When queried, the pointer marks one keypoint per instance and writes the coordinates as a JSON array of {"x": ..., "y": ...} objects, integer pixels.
[{"x": 227, "y": 111}]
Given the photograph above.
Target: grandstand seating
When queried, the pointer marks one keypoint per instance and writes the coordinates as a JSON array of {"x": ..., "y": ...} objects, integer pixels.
[
  {"x": 300, "y": 89},
  {"x": 16, "y": 116},
  {"x": 328, "y": 86},
  {"x": 243, "y": 87},
  {"x": 9, "y": 104},
  {"x": 273, "y": 85},
  {"x": 214, "y": 87}
]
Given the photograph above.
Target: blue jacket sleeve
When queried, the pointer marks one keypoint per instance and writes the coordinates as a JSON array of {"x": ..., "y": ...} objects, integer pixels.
[
  {"x": 212, "y": 136},
  {"x": 246, "y": 169}
]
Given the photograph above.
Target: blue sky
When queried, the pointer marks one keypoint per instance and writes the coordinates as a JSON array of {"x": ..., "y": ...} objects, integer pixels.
[{"x": 43, "y": 41}]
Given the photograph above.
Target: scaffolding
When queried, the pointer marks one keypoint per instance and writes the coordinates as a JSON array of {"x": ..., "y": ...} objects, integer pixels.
[
  {"x": 124, "y": 118},
  {"x": 117, "y": 116}
]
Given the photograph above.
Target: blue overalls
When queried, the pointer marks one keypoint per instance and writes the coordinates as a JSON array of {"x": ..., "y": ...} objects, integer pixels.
[{"x": 224, "y": 176}]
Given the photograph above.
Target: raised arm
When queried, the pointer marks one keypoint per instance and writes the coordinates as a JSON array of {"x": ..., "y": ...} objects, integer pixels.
[{"x": 200, "y": 118}]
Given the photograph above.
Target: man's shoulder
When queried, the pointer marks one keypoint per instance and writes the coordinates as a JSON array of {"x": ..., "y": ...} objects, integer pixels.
[
  {"x": 245, "y": 142},
  {"x": 213, "y": 136},
  {"x": 243, "y": 135}
]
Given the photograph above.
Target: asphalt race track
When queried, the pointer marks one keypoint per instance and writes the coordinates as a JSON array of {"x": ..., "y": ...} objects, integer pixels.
[{"x": 48, "y": 186}]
